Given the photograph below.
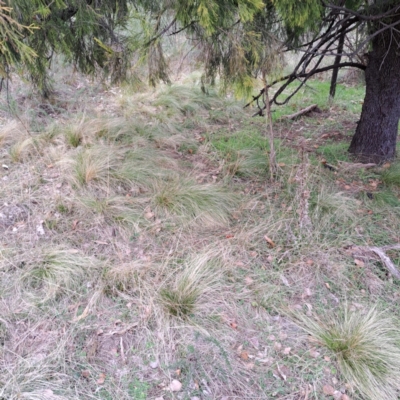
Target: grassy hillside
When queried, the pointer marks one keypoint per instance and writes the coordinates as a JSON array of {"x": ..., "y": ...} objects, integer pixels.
[{"x": 145, "y": 254}]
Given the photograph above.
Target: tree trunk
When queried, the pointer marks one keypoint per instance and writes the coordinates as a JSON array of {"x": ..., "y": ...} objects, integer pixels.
[{"x": 377, "y": 130}]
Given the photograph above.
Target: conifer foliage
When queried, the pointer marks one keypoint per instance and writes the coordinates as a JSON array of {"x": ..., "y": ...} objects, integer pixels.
[
  {"x": 237, "y": 41},
  {"x": 102, "y": 35},
  {"x": 82, "y": 30}
]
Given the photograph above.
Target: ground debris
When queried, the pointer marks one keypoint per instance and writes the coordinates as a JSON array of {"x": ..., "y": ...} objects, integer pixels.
[
  {"x": 372, "y": 252},
  {"x": 11, "y": 214}
]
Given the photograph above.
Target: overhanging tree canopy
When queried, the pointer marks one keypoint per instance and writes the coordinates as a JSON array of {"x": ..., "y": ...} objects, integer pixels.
[
  {"x": 237, "y": 40},
  {"x": 319, "y": 29},
  {"x": 103, "y": 35}
]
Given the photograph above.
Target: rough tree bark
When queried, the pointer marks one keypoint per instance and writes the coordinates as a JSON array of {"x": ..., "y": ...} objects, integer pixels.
[{"x": 377, "y": 130}]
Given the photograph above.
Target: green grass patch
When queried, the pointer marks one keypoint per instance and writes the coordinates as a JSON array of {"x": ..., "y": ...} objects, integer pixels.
[
  {"x": 334, "y": 152},
  {"x": 391, "y": 176}
]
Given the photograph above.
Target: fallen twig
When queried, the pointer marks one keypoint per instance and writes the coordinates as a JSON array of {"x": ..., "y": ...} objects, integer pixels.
[
  {"x": 345, "y": 166},
  {"x": 123, "y": 331},
  {"x": 301, "y": 112},
  {"x": 380, "y": 252},
  {"x": 387, "y": 261},
  {"x": 391, "y": 247}
]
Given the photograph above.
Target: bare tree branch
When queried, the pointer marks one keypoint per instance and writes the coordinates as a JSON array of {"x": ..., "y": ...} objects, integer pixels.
[{"x": 292, "y": 77}]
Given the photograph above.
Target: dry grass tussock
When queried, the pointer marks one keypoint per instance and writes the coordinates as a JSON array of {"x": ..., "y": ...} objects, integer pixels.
[
  {"x": 11, "y": 132},
  {"x": 366, "y": 345},
  {"x": 204, "y": 204},
  {"x": 136, "y": 250},
  {"x": 55, "y": 272},
  {"x": 184, "y": 293}
]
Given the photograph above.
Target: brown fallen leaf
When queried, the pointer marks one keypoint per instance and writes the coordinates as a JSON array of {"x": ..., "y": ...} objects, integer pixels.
[
  {"x": 244, "y": 355},
  {"x": 175, "y": 386},
  {"x": 277, "y": 346},
  {"x": 359, "y": 263},
  {"x": 269, "y": 241},
  {"x": 102, "y": 378},
  {"x": 283, "y": 336},
  {"x": 374, "y": 184},
  {"x": 314, "y": 354},
  {"x": 249, "y": 366},
  {"x": 85, "y": 373},
  {"x": 249, "y": 281},
  {"x": 307, "y": 292},
  {"x": 75, "y": 224},
  {"x": 149, "y": 215},
  {"x": 328, "y": 390},
  {"x": 337, "y": 395}
]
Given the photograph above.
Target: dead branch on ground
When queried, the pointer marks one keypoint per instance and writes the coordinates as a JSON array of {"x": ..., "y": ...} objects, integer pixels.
[
  {"x": 369, "y": 251},
  {"x": 301, "y": 112}
]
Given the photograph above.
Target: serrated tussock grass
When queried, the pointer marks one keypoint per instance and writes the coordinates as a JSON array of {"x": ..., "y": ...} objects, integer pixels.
[
  {"x": 326, "y": 202},
  {"x": 96, "y": 164},
  {"x": 11, "y": 132},
  {"x": 141, "y": 261},
  {"x": 125, "y": 278},
  {"x": 30, "y": 379},
  {"x": 87, "y": 130},
  {"x": 366, "y": 346},
  {"x": 191, "y": 287},
  {"x": 120, "y": 210},
  {"x": 107, "y": 166},
  {"x": 204, "y": 204},
  {"x": 249, "y": 163},
  {"x": 185, "y": 99},
  {"x": 54, "y": 272}
]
